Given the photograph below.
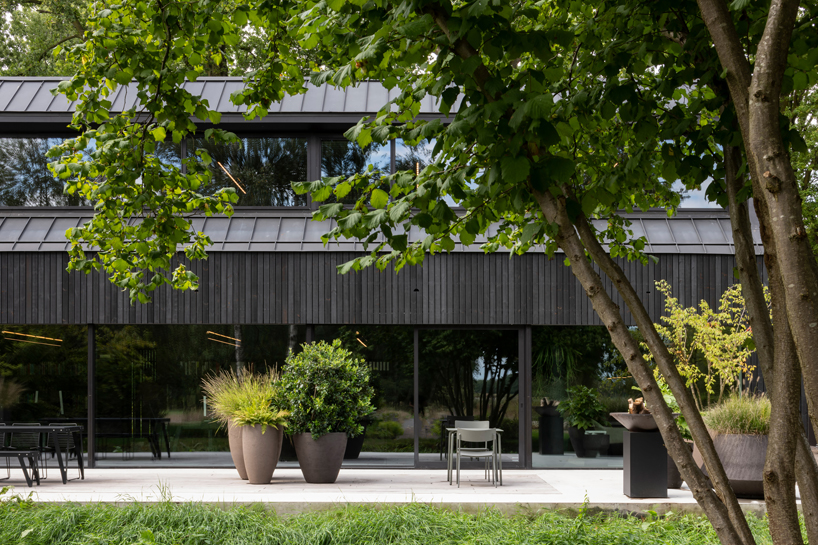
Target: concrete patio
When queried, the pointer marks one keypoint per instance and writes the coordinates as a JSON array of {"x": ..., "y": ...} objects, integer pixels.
[{"x": 525, "y": 491}]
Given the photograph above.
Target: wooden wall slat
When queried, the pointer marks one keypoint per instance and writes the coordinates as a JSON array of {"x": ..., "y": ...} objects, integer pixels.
[{"x": 461, "y": 288}]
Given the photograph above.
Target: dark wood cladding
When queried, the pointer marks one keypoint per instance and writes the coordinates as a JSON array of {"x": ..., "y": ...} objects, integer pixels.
[{"x": 303, "y": 288}]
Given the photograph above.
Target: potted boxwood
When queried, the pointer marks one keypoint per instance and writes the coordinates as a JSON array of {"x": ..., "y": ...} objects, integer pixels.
[
  {"x": 328, "y": 394},
  {"x": 582, "y": 411},
  {"x": 739, "y": 426}
]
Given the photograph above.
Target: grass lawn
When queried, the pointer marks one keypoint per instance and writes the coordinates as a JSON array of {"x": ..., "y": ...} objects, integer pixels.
[{"x": 26, "y": 522}]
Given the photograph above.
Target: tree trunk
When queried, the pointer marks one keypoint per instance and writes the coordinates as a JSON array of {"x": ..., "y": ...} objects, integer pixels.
[
  {"x": 757, "y": 101},
  {"x": 778, "y": 361},
  {"x": 726, "y": 527},
  {"x": 664, "y": 360}
]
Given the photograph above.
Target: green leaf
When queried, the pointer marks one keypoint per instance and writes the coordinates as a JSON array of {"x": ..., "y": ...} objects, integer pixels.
[
  {"x": 380, "y": 198},
  {"x": 159, "y": 134},
  {"x": 515, "y": 169},
  {"x": 560, "y": 168}
]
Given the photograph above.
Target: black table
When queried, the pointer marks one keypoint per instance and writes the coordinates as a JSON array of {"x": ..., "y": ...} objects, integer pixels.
[
  {"x": 53, "y": 432},
  {"x": 153, "y": 424}
]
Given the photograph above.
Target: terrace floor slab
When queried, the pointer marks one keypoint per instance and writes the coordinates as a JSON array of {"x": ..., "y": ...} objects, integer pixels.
[{"x": 288, "y": 493}]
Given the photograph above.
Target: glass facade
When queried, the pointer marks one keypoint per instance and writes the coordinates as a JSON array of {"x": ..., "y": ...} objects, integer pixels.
[
  {"x": 43, "y": 373},
  {"x": 261, "y": 170},
  {"x": 566, "y": 356},
  {"x": 345, "y": 158}
]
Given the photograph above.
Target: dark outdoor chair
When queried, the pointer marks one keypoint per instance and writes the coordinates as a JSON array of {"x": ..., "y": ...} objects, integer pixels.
[
  {"x": 3, "y": 446},
  {"x": 67, "y": 445},
  {"x": 32, "y": 441}
]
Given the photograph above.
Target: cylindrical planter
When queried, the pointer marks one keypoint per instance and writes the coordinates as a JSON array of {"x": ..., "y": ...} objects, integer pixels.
[
  {"x": 261, "y": 452},
  {"x": 236, "y": 451},
  {"x": 551, "y": 439},
  {"x": 320, "y": 459}
]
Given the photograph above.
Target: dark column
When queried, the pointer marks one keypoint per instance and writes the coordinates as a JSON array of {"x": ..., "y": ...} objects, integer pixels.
[
  {"x": 645, "y": 465},
  {"x": 524, "y": 395},
  {"x": 416, "y": 397},
  {"x": 92, "y": 397},
  {"x": 310, "y": 333}
]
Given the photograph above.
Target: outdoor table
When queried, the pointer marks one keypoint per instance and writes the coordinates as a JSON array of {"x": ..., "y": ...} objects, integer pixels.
[
  {"x": 53, "y": 437},
  {"x": 498, "y": 432},
  {"x": 152, "y": 436}
]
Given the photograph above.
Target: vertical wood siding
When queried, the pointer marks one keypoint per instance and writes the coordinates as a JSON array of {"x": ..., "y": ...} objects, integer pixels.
[{"x": 303, "y": 288}]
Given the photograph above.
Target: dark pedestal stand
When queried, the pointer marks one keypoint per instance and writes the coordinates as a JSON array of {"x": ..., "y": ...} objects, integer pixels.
[
  {"x": 551, "y": 433},
  {"x": 645, "y": 464}
]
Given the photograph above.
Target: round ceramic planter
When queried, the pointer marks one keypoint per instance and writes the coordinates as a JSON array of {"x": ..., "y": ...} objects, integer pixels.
[
  {"x": 261, "y": 452},
  {"x": 236, "y": 451},
  {"x": 588, "y": 445},
  {"x": 320, "y": 459}
]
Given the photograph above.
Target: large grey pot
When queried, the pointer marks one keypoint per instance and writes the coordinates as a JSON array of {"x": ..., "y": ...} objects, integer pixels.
[
  {"x": 320, "y": 459},
  {"x": 743, "y": 459},
  {"x": 261, "y": 452},
  {"x": 236, "y": 452}
]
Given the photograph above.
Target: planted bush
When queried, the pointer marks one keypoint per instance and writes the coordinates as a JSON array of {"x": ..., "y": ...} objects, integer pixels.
[
  {"x": 582, "y": 408},
  {"x": 745, "y": 415},
  {"x": 386, "y": 429},
  {"x": 326, "y": 390}
]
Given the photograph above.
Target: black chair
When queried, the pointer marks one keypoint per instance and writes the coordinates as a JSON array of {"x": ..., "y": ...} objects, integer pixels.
[
  {"x": 31, "y": 441},
  {"x": 2, "y": 447},
  {"x": 67, "y": 445}
]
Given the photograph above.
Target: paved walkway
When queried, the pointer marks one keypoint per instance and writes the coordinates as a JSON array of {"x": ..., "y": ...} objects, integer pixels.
[{"x": 288, "y": 493}]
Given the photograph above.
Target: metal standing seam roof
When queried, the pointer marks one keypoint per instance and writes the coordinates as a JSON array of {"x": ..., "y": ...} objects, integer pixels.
[
  {"x": 33, "y": 96},
  {"x": 276, "y": 230}
]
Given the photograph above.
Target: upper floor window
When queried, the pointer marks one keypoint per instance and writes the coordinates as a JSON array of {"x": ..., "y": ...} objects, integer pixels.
[
  {"x": 345, "y": 158},
  {"x": 261, "y": 170},
  {"x": 24, "y": 176}
]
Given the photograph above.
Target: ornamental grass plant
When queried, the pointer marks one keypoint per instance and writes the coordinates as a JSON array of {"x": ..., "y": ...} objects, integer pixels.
[
  {"x": 741, "y": 415},
  {"x": 245, "y": 398}
]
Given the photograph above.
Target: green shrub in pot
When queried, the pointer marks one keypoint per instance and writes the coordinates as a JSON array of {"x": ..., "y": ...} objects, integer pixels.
[
  {"x": 328, "y": 394},
  {"x": 581, "y": 408},
  {"x": 582, "y": 411}
]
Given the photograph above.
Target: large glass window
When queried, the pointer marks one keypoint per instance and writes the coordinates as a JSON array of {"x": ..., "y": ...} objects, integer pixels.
[
  {"x": 414, "y": 158},
  {"x": 388, "y": 439},
  {"x": 150, "y": 406},
  {"x": 43, "y": 373},
  {"x": 261, "y": 170},
  {"x": 345, "y": 158},
  {"x": 24, "y": 176},
  {"x": 467, "y": 375},
  {"x": 566, "y": 356}
]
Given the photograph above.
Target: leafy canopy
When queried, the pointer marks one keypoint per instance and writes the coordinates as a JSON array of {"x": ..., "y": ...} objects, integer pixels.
[{"x": 326, "y": 390}]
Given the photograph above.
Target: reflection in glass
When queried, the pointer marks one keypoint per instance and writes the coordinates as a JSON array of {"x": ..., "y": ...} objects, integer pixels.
[
  {"x": 388, "y": 350},
  {"x": 26, "y": 181},
  {"x": 345, "y": 158},
  {"x": 43, "y": 373},
  {"x": 468, "y": 375},
  {"x": 414, "y": 158},
  {"x": 149, "y": 392},
  {"x": 565, "y": 356},
  {"x": 24, "y": 176},
  {"x": 263, "y": 167}
]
